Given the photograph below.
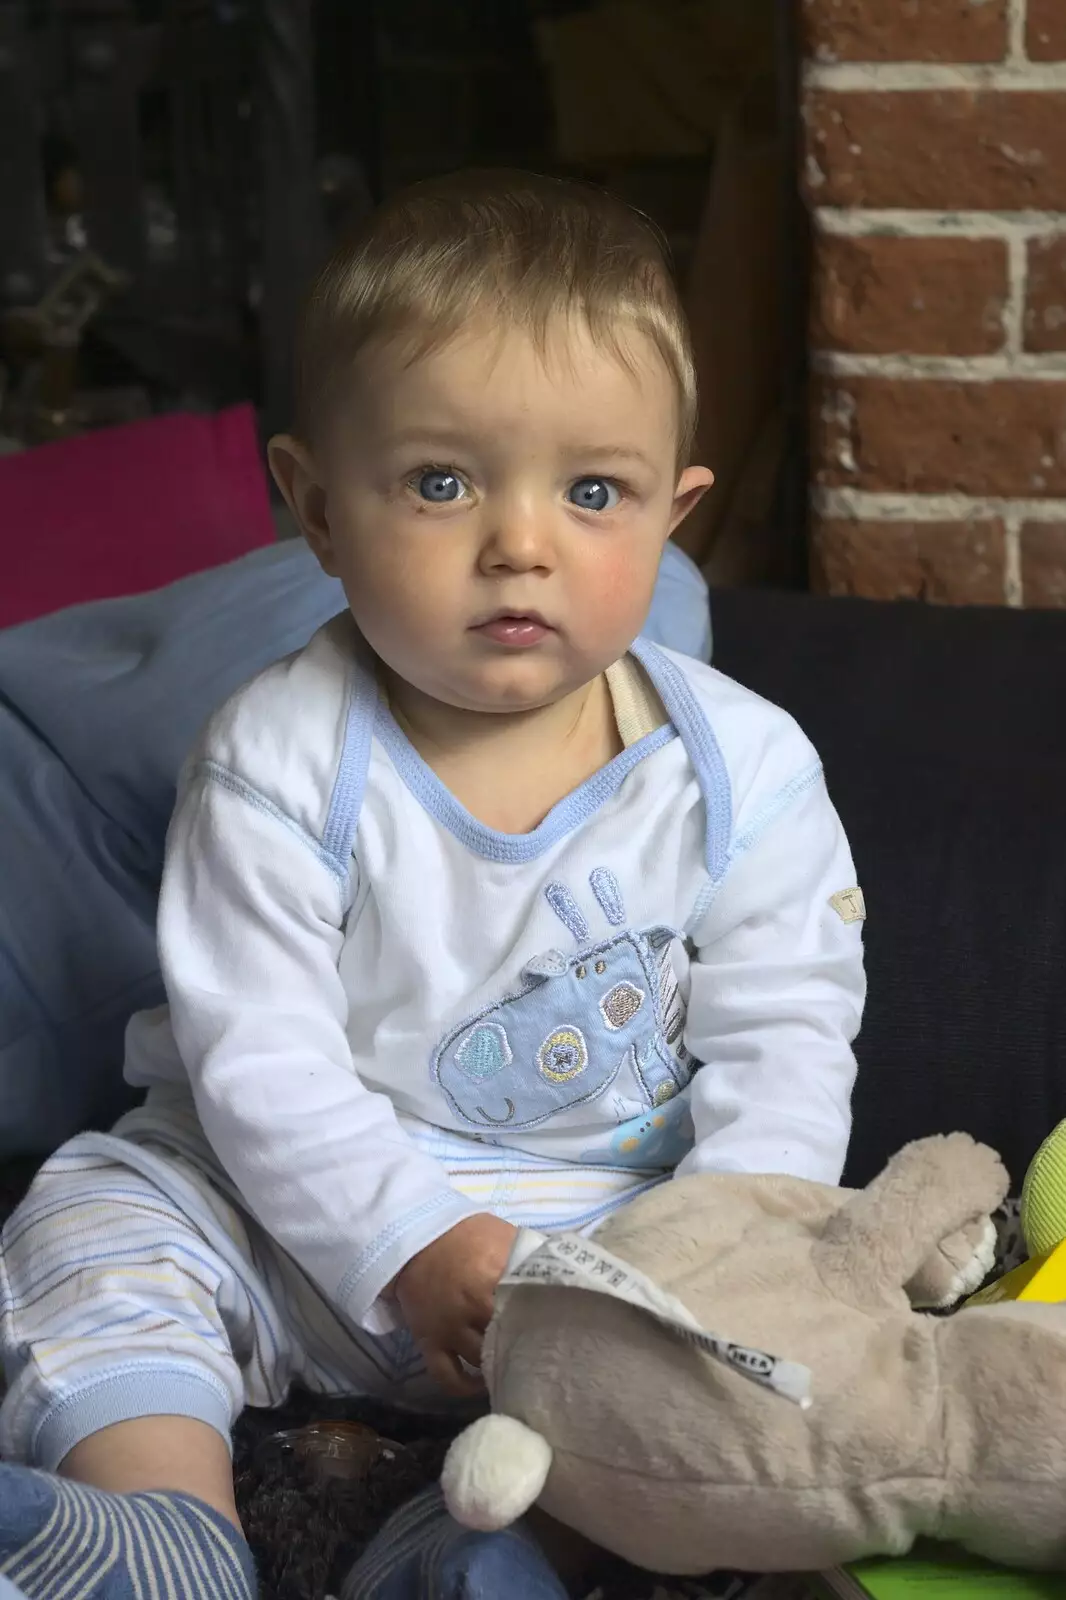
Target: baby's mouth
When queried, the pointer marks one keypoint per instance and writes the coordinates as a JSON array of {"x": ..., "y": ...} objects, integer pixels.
[{"x": 514, "y": 630}]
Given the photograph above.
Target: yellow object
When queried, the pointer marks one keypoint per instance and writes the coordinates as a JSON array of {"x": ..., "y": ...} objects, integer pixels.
[
  {"x": 1043, "y": 1214},
  {"x": 1043, "y": 1278}
]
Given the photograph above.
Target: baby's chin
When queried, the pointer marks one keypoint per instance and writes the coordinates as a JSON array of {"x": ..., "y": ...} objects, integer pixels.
[{"x": 509, "y": 688}]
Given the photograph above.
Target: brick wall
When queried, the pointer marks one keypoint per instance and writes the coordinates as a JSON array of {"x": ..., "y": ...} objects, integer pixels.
[{"x": 935, "y": 174}]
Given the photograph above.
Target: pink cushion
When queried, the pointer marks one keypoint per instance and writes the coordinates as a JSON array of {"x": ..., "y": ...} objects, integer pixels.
[{"x": 123, "y": 510}]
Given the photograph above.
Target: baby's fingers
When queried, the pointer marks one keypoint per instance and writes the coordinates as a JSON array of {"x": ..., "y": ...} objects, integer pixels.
[
  {"x": 468, "y": 1343},
  {"x": 446, "y": 1370}
]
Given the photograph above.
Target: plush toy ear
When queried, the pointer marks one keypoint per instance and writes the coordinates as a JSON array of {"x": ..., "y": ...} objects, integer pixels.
[
  {"x": 494, "y": 1472},
  {"x": 884, "y": 1235}
]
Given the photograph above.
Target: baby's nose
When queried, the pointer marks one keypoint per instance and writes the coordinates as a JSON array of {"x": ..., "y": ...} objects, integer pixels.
[{"x": 518, "y": 538}]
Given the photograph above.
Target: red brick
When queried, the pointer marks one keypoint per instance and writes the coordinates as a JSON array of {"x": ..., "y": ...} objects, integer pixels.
[
  {"x": 879, "y": 295},
  {"x": 1045, "y": 32},
  {"x": 905, "y": 30},
  {"x": 937, "y": 149},
  {"x": 1044, "y": 564},
  {"x": 1045, "y": 299},
  {"x": 928, "y": 437},
  {"x": 952, "y": 563}
]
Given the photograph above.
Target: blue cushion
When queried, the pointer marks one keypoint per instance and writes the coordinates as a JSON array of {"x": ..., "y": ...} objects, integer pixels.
[{"x": 98, "y": 706}]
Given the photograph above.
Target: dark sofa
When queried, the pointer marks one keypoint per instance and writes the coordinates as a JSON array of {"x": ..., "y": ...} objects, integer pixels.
[{"x": 944, "y": 738}]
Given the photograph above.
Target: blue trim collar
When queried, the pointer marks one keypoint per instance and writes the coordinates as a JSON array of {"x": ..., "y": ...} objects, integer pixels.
[
  {"x": 513, "y": 848},
  {"x": 687, "y": 720},
  {"x": 701, "y": 747}
]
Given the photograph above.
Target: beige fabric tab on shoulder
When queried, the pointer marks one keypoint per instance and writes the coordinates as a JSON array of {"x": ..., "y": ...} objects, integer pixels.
[
  {"x": 638, "y": 710},
  {"x": 849, "y": 905}
]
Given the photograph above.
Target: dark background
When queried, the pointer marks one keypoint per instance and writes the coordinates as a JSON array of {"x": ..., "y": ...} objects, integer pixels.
[{"x": 171, "y": 171}]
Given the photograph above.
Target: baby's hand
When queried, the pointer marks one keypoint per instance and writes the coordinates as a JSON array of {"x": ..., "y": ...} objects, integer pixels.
[{"x": 445, "y": 1294}]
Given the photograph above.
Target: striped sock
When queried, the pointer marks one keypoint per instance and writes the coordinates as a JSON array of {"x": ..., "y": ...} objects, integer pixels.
[
  {"x": 63, "y": 1541},
  {"x": 421, "y": 1551}
]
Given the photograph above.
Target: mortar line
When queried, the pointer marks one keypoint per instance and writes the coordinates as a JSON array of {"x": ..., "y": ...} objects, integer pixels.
[
  {"x": 1014, "y": 310},
  {"x": 906, "y": 77},
  {"x": 1016, "y": 18},
  {"x": 870, "y": 505},
  {"x": 1013, "y": 585},
  {"x": 1034, "y": 368},
  {"x": 862, "y": 222}
]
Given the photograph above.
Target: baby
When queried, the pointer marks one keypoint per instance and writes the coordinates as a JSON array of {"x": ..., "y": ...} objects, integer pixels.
[{"x": 479, "y": 912}]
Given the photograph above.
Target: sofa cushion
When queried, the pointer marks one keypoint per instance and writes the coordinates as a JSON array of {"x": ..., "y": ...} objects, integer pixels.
[{"x": 124, "y": 510}]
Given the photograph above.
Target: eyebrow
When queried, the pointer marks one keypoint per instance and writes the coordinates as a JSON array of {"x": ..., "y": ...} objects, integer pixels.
[
  {"x": 615, "y": 452},
  {"x": 453, "y": 439},
  {"x": 449, "y": 438}
]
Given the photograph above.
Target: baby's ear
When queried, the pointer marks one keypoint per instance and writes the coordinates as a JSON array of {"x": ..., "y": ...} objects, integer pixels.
[
  {"x": 296, "y": 475},
  {"x": 691, "y": 488}
]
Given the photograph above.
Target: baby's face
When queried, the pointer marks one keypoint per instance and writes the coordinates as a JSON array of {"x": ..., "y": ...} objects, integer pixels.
[{"x": 497, "y": 515}]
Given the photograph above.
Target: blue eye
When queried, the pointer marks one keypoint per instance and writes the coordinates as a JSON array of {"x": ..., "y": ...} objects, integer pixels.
[
  {"x": 438, "y": 485},
  {"x": 593, "y": 494}
]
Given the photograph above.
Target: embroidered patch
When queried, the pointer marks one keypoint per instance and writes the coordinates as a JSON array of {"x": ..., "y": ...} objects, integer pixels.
[
  {"x": 604, "y": 886},
  {"x": 670, "y": 1001},
  {"x": 849, "y": 905},
  {"x": 621, "y": 1004},
  {"x": 567, "y": 909},
  {"x": 563, "y": 1055},
  {"x": 643, "y": 1133},
  {"x": 484, "y": 1052},
  {"x": 487, "y": 1116},
  {"x": 549, "y": 964}
]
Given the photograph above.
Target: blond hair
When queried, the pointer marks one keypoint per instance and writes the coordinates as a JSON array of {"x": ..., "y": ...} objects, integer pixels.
[{"x": 515, "y": 246}]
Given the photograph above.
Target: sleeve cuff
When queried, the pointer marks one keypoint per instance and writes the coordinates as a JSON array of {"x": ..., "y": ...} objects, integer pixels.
[{"x": 360, "y": 1290}]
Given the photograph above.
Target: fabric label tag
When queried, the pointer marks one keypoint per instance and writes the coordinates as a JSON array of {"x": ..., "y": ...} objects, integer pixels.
[
  {"x": 567, "y": 1260},
  {"x": 849, "y": 905}
]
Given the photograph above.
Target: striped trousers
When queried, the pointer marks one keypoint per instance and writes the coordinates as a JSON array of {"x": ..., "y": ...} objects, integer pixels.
[{"x": 132, "y": 1284}]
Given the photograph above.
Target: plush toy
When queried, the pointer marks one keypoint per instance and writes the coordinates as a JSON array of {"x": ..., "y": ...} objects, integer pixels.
[{"x": 733, "y": 1373}]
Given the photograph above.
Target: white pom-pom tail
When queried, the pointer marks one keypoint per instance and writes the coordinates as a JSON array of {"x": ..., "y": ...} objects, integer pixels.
[{"x": 494, "y": 1472}]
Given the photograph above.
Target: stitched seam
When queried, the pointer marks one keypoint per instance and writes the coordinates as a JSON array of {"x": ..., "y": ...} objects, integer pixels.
[
  {"x": 703, "y": 748},
  {"x": 226, "y": 779},
  {"x": 514, "y": 849},
  {"x": 770, "y": 813},
  {"x": 130, "y": 1369},
  {"x": 704, "y": 901},
  {"x": 338, "y": 838},
  {"x": 800, "y": 784},
  {"x": 387, "y": 1238}
]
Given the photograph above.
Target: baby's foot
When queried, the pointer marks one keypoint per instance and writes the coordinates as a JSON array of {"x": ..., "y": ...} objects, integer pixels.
[
  {"x": 422, "y": 1551},
  {"x": 62, "y": 1539}
]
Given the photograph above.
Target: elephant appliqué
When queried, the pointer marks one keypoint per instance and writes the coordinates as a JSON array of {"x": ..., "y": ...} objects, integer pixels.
[{"x": 609, "y": 1012}]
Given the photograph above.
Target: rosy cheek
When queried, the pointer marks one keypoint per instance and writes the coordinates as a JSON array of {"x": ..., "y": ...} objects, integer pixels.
[{"x": 617, "y": 579}]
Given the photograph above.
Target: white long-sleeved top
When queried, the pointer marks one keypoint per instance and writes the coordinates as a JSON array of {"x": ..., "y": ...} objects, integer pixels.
[{"x": 665, "y": 974}]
